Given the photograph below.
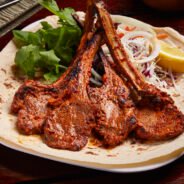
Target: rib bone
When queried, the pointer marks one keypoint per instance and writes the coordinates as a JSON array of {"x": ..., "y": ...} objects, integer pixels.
[
  {"x": 72, "y": 116},
  {"x": 158, "y": 117},
  {"x": 31, "y": 99}
]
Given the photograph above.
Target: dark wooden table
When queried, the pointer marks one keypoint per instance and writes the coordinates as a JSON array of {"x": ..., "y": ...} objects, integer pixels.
[{"x": 23, "y": 168}]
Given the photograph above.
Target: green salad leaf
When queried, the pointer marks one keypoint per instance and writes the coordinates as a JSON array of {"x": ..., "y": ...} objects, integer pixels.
[
  {"x": 51, "y": 76},
  {"x": 64, "y": 41},
  {"x": 64, "y": 15},
  {"x": 49, "y": 50},
  {"x": 27, "y": 58},
  {"x": 48, "y": 59},
  {"x": 31, "y": 57},
  {"x": 23, "y": 38}
]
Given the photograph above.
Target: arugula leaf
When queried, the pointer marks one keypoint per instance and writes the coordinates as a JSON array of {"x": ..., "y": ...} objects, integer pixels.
[
  {"x": 51, "y": 77},
  {"x": 25, "y": 38},
  {"x": 51, "y": 5},
  {"x": 27, "y": 58},
  {"x": 65, "y": 15},
  {"x": 49, "y": 50},
  {"x": 64, "y": 41},
  {"x": 48, "y": 60},
  {"x": 30, "y": 57},
  {"x": 46, "y": 25}
]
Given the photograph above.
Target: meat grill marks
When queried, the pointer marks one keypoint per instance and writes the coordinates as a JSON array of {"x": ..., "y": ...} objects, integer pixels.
[
  {"x": 157, "y": 116},
  {"x": 64, "y": 109},
  {"x": 88, "y": 24},
  {"x": 72, "y": 116},
  {"x": 30, "y": 102},
  {"x": 116, "y": 118},
  {"x": 31, "y": 99}
]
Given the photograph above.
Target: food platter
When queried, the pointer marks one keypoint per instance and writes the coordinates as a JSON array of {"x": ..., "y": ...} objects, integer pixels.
[{"x": 129, "y": 157}]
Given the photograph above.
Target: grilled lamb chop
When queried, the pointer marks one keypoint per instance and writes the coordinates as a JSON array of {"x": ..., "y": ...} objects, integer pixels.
[
  {"x": 30, "y": 102},
  {"x": 31, "y": 99},
  {"x": 157, "y": 116},
  {"x": 117, "y": 117},
  {"x": 72, "y": 116}
]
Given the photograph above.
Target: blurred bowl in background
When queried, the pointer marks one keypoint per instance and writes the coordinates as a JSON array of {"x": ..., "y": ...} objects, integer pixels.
[{"x": 166, "y": 5}]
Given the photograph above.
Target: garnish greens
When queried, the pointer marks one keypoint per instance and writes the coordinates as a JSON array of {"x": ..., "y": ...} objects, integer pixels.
[{"x": 49, "y": 50}]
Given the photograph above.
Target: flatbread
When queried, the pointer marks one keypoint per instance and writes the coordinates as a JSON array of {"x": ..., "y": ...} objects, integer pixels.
[{"x": 127, "y": 155}]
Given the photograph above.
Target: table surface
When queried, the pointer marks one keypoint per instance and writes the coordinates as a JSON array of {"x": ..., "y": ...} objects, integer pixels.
[{"x": 23, "y": 168}]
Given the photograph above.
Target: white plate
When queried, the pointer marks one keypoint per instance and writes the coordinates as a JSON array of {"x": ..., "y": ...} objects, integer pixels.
[
  {"x": 114, "y": 169},
  {"x": 124, "y": 159}
]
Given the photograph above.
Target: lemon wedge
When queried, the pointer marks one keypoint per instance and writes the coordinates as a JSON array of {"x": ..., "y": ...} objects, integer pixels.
[{"x": 171, "y": 57}]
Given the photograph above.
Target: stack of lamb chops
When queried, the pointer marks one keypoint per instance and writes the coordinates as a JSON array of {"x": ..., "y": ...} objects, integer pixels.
[{"x": 70, "y": 110}]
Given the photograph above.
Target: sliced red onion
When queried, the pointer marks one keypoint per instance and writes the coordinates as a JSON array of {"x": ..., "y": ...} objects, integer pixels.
[{"x": 144, "y": 44}]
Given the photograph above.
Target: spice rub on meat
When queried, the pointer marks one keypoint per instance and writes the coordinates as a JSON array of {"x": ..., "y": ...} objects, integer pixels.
[
  {"x": 72, "y": 116},
  {"x": 69, "y": 110},
  {"x": 31, "y": 99},
  {"x": 116, "y": 118},
  {"x": 30, "y": 103},
  {"x": 157, "y": 116}
]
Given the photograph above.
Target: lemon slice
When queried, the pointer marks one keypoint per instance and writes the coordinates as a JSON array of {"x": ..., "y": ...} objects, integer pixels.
[{"x": 171, "y": 57}]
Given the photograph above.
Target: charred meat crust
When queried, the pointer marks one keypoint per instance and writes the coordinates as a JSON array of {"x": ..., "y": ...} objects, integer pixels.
[
  {"x": 69, "y": 122},
  {"x": 68, "y": 111},
  {"x": 30, "y": 94},
  {"x": 157, "y": 116},
  {"x": 116, "y": 118}
]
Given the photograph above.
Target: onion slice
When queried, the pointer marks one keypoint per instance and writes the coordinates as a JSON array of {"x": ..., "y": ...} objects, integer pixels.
[{"x": 142, "y": 43}]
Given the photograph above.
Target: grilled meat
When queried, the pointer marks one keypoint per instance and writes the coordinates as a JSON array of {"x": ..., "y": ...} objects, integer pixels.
[
  {"x": 161, "y": 124},
  {"x": 31, "y": 99},
  {"x": 116, "y": 118},
  {"x": 157, "y": 116},
  {"x": 72, "y": 116},
  {"x": 68, "y": 110},
  {"x": 64, "y": 107},
  {"x": 30, "y": 102}
]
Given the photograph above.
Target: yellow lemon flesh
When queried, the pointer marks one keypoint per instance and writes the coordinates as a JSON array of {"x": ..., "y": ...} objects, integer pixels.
[{"x": 171, "y": 57}]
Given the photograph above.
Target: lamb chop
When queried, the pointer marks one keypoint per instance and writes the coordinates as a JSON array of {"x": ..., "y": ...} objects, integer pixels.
[
  {"x": 157, "y": 116},
  {"x": 31, "y": 99},
  {"x": 116, "y": 118},
  {"x": 72, "y": 116},
  {"x": 30, "y": 102}
]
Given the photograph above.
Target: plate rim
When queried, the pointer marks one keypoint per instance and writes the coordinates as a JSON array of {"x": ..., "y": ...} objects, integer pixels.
[{"x": 143, "y": 168}]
